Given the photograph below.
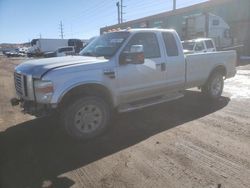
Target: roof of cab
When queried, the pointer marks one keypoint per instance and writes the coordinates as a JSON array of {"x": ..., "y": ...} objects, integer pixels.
[
  {"x": 197, "y": 40},
  {"x": 151, "y": 29},
  {"x": 142, "y": 30}
]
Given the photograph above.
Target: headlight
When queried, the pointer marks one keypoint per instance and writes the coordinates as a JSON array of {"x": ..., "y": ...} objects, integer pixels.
[{"x": 43, "y": 90}]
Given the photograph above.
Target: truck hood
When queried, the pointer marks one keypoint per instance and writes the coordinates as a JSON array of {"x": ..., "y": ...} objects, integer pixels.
[{"x": 37, "y": 68}]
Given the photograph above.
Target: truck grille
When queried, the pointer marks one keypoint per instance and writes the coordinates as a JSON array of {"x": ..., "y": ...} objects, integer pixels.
[{"x": 20, "y": 84}]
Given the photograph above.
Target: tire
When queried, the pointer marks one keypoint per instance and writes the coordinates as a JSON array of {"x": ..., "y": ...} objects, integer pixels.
[
  {"x": 214, "y": 87},
  {"x": 86, "y": 117}
]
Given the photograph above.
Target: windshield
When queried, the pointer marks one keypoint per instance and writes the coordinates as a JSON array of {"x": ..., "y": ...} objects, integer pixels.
[
  {"x": 33, "y": 42},
  {"x": 188, "y": 45},
  {"x": 105, "y": 45}
]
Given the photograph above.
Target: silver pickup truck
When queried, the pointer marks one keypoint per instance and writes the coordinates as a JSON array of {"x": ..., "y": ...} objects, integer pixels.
[{"x": 123, "y": 71}]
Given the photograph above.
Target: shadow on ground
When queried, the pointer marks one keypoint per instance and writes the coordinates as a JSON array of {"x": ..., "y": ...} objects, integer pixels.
[{"x": 35, "y": 151}]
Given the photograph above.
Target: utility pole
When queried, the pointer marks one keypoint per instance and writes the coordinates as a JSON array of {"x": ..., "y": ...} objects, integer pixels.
[
  {"x": 40, "y": 35},
  {"x": 122, "y": 11},
  {"x": 118, "y": 13},
  {"x": 61, "y": 30},
  {"x": 174, "y": 4}
]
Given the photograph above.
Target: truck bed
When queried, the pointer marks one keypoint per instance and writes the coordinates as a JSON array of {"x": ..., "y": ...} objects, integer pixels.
[{"x": 200, "y": 66}]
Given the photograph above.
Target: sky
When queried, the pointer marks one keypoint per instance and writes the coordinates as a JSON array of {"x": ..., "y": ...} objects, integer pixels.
[{"x": 23, "y": 20}]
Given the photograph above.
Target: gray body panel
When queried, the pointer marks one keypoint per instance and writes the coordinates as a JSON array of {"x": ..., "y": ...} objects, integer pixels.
[{"x": 131, "y": 82}]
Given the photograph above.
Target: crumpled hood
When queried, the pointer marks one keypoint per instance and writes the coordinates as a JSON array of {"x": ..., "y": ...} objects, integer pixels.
[{"x": 37, "y": 68}]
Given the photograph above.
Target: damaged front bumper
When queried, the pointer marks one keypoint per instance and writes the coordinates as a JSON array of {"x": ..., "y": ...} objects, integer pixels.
[{"x": 33, "y": 108}]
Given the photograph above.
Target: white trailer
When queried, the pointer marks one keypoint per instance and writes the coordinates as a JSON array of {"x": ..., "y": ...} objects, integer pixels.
[
  {"x": 208, "y": 25},
  {"x": 41, "y": 46}
]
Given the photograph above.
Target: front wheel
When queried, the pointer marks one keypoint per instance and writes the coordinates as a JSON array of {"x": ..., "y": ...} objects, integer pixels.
[
  {"x": 86, "y": 117},
  {"x": 214, "y": 87}
]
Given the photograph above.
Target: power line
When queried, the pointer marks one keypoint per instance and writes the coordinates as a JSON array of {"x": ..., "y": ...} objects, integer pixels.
[
  {"x": 88, "y": 15},
  {"x": 94, "y": 23},
  {"x": 93, "y": 10},
  {"x": 144, "y": 7},
  {"x": 153, "y": 10}
]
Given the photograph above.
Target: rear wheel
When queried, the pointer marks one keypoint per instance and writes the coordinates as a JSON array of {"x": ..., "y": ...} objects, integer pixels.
[
  {"x": 86, "y": 117},
  {"x": 214, "y": 87}
]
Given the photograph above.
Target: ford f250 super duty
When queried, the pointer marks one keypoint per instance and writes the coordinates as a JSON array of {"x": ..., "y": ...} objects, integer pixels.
[{"x": 123, "y": 70}]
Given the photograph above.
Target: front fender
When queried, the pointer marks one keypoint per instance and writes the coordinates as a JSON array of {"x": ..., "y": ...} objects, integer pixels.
[
  {"x": 68, "y": 89},
  {"x": 62, "y": 88}
]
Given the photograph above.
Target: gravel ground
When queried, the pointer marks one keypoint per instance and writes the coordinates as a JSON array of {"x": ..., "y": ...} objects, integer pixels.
[{"x": 190, "y": 142}]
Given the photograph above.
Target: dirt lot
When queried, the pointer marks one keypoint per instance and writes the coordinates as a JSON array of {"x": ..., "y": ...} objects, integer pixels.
[{"x": 186, "y": 143}]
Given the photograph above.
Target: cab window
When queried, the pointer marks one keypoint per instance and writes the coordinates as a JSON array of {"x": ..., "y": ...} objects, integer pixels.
[
  {"x": 209, "y": 44},
  {"x": 170, "y": 44},
  {"x": 199, "y": 46},
  {"x": 149, "y": 43}
]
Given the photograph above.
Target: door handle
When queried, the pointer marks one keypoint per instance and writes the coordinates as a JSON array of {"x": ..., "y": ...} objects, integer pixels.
[{"x": 163, "y": 66}]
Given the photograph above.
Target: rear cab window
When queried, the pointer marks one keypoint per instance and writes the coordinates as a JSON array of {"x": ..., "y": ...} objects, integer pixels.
[
  {"x": 199, "y": 46},
  {"x": 188, "y": 45},
  {"x": 209, "y": 44},
  {"x": 170, "y": 44}
]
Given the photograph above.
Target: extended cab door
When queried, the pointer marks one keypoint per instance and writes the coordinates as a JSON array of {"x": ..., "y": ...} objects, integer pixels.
[
  {"x": 139, "y": 81},
  {"x": 175, "y": 62}
]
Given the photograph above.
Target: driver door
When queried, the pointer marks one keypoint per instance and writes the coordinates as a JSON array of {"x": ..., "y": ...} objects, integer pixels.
[{"x": 140, "y": 81}]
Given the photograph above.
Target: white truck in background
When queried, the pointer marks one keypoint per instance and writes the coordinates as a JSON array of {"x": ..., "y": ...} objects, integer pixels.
[
  {"x": 41, "y": 46},
  {"x": 198, "y": 46},
  {"x": 23, "y": 50},
  {"x": 63, "y": 51},
  {"x": 123, "y": 71},
  {"x": 208, "y": 25}
]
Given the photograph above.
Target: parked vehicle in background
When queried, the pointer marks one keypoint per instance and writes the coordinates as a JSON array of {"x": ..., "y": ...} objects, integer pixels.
[
  {"x": 245, "y": 54},
  {"x": 76, "y": 43},
  {"x": 14, "y": 53},
  {"x": 209, "y": 26},
  {"x": 124, "y": 71},
  {"x": 23, "y": 50},
  {"x": 198, "y": 45},
  {"x": 63, "y": 51},
  {"x": 41, "y": 46}
]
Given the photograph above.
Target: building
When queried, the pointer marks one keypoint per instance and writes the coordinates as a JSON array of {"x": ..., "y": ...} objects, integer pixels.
[{"x": 235, "y": 12}]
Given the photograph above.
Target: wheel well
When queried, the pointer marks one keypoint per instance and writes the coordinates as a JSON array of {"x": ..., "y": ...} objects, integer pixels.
[
  {"x": 220, "y": 69},
  {"x": 86, "y": 90}
]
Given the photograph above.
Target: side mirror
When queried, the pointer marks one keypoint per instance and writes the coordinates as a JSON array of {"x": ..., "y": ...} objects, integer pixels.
[
  {"x": 135, "y": 56},
  {"x": 136, "y": 49}
]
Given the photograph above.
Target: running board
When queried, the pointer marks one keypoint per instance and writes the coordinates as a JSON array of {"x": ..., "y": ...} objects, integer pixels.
[{"x": 149, "y": 102}]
